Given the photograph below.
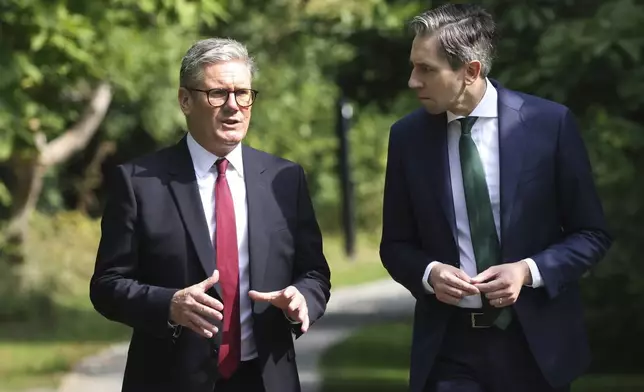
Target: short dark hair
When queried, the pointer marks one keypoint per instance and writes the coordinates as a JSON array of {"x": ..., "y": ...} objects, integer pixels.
[{"x": 466, "y": 32}]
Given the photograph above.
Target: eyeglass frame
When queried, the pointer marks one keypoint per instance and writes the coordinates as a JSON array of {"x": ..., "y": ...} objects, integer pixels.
[{"x": 207, "y": 92}]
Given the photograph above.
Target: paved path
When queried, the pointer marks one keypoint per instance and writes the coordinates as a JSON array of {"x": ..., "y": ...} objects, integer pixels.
[{"x": 348, "y": 309}]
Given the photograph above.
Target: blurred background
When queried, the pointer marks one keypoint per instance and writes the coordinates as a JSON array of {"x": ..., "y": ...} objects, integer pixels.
[{"x": 85, "y": 85}]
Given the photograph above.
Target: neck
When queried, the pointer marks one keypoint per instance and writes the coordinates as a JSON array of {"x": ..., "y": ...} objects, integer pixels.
[
  {"x": 222, "y": 150},
  {"x": 470, "y": 98}
]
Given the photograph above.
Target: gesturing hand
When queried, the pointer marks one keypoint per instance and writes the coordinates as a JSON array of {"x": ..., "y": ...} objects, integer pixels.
[
  {"x": 290, "y": 300},
  {"x": 503, "y": 282},
  {"x": 190, "y": 305},
  {"x": 450, "y": 283}
]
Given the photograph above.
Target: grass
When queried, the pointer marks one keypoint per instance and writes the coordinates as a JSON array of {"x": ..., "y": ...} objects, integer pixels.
[
  {"x": 46, "y": 334},
  {"x": 376, "y": 359},
  {"x": 364, "y": 267},
  {"x": 48, "y": 337}
]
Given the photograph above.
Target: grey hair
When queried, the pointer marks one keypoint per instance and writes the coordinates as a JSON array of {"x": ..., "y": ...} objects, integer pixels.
[
  {"x": 465, "y": 32},
  {"x": 211, "y": 51}
]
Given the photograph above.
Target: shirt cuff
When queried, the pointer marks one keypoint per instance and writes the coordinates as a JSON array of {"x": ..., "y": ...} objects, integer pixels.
[
  {"x": 289, "y": 319},
  {"x": 428, "y": 287},
  {"x": 536, "y": 275}
]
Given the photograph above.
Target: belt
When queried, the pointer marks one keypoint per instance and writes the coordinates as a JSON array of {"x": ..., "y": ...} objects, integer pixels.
[{"x": 476, "y": 318}]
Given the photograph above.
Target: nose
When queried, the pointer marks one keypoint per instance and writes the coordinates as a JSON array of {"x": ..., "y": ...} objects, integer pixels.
[
  {"x": 231, "y": 103},
  {"x": 413, "y": 82}
]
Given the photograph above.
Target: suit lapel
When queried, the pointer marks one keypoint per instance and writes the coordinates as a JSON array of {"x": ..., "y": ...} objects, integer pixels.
[
  {"x": 257, "y": 232},
  {"x": 436, "y": 159},
  {"x": 512, "y": 140},
  {"x": 184, "y": 188}
]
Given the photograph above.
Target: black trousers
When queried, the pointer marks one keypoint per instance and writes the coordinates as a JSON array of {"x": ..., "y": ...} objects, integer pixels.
[
  {"x": 486, "y": 360},
  {"x": 247, "y": 378}
]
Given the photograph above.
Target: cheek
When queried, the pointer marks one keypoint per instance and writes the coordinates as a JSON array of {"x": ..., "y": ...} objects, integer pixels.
[{"x": 211, "y": 114}]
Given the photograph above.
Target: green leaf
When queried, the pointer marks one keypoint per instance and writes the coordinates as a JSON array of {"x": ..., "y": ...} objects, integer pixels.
[
  {"x": 632, "y": 47},
  {"x": 6, "y": 144},
  {"x": 5, "y": 195}
]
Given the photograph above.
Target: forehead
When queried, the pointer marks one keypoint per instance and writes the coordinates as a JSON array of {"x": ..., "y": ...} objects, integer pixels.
[
  {"x": 425, "y": 49},
  {"x": 227, "y": 74}
]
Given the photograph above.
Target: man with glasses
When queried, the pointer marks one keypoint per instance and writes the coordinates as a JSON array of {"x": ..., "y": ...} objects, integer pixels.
[{"x": 211, "y": 250}]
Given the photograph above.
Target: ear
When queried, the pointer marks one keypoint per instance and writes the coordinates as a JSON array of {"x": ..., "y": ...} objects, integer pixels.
[
  {"x": 185, "y": 100},
  {"x": 472, "y": 71}
]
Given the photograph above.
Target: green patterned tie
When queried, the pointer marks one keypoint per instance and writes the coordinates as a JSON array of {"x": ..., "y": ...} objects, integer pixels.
[{"x": 485, "y": 242}]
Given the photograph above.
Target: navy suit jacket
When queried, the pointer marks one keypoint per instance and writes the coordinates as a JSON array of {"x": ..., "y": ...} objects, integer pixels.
[
  {"x": 550, "y": 211},
  {"x": 155, "y": 241}
]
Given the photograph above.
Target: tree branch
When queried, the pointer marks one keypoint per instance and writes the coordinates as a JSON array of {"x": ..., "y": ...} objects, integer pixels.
[{"x": 79, "y": 135}]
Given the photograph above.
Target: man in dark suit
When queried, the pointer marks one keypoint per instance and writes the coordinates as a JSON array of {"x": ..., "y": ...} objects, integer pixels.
[
  {"x": 490, "y": 220},
  {"x": 210, "y": 250}
]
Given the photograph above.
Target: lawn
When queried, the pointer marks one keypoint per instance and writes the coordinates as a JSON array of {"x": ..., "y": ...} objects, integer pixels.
[
  {"x": 376, "y": 359},
  {"x": 38, "y": 350},
  {"x": 364, "y": 267}
]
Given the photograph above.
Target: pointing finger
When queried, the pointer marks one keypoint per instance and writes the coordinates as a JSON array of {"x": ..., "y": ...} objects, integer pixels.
[{"x": 263, "y": 297}]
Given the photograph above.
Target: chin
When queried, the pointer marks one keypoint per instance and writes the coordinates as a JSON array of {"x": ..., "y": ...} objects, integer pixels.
[
  {"x": 231, "y": 137},
  {"x": 430, "y": 106}
]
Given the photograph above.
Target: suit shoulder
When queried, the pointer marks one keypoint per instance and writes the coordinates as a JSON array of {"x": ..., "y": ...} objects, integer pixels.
[
  {"x": 152, "y": 161},
  {"x": 533, "y": 103},
  {"x": 268, "y": 159},
  {"x": 409, "y": 121}
]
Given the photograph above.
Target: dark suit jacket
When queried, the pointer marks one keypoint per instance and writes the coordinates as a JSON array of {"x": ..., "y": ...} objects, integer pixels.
[
  {"x": 155, "y": 241},
  {"x": 550, "y": 211}
]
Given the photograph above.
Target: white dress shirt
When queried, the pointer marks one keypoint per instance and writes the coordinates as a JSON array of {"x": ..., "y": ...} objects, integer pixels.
[
  {"x": 206, "y": 173},
  {"x": 485, "y": 134}
]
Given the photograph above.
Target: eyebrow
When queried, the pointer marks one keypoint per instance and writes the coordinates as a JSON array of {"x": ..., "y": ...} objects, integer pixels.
[{"x": 422, "y": 63}]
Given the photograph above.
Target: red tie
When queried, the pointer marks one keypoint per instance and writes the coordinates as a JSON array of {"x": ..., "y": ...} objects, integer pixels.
[{"x": 228, "y": 266}]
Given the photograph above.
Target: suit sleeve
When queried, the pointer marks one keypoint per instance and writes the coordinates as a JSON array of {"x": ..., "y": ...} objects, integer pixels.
[
  {"x": 400, "y": 248},
  {"x": 586, "y": 239},
  {"x": 313, "y": 276},
  {"x": 114, "y": 289}
]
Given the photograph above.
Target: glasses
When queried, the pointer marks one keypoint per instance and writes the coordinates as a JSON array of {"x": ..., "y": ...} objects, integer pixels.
[{"x": 218, "y": 97}]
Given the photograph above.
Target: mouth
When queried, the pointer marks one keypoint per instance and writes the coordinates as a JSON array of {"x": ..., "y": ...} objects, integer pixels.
[{"x": 231, "y": 121}]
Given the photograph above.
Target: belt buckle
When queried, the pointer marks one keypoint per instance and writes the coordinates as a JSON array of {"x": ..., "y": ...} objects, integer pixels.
[{"x": 473, "y": 319}]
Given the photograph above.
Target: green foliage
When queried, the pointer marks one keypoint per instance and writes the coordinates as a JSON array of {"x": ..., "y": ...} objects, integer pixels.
[
  {"x": 53, "y": 53},
  {"x": 61, "y": 250},
  {"x": 584, "y": 54},
  {"x": 47, "y": 320},
  {"x": 300, "y": 51}
]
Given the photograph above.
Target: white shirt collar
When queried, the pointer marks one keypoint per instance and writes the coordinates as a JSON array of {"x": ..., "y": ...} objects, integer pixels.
[
  {"x": 203, "y": 160},
  {"x": 487, "y": 107}
]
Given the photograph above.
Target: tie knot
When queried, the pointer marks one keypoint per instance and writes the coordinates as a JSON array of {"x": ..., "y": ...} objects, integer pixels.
[
  {"x": 222, "y": 165},
  {"x": 466, "y": 124}
]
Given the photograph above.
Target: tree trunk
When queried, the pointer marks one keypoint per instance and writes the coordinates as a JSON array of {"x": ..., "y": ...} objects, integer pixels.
[
  {"x": 28, "y": 180},
  {"x": 92, "y": 178},
  {"x": 30, "y": 172}
]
